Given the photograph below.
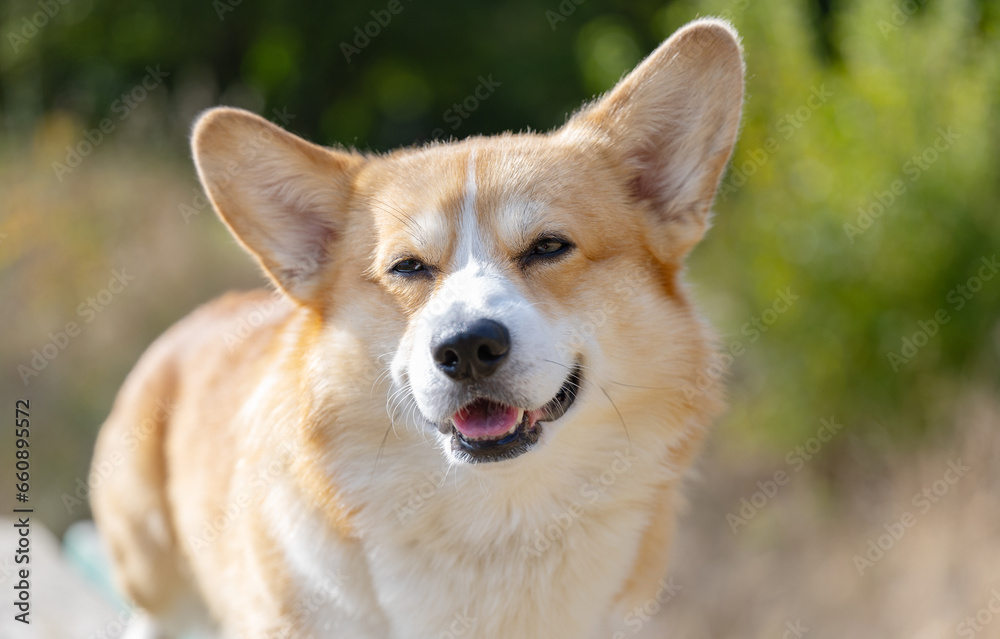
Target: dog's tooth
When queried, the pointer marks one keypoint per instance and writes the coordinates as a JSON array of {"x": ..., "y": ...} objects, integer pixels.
[{"x": 517, "y": 422}]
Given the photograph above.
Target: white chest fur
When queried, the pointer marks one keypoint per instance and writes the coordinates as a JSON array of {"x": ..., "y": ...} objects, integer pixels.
[{"x": 533, "y": 550}]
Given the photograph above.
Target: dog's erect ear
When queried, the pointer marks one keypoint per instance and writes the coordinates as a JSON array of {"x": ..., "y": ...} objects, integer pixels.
[
  {"x": 282, "y": 197},
  {"x": 673, "y": 120}
]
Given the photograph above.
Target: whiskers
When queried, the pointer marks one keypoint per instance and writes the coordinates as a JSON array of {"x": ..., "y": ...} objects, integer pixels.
[
  {"x": 586, "y": 379},
  {"x": 400, "y": 408}
]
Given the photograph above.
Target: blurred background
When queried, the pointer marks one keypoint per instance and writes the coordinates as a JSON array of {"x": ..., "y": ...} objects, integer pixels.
[{"x": 853, "y": 268}]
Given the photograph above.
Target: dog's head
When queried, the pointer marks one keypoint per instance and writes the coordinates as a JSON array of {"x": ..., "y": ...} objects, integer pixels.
[{"x": 512, "y": 276}]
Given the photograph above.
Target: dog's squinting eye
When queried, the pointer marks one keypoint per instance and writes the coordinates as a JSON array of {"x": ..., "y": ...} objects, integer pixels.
[
  {"x": 548, "y": 247},
  {"x": 408, "y": 267}
]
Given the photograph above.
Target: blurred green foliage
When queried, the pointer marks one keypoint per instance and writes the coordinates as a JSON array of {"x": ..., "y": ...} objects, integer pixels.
[
  {"x": 905, "y": 101},
  {"x": 845, "y": 103}
]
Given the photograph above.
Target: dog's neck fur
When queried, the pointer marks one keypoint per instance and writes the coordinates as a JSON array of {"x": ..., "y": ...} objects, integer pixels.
[{"x": 502, "y": 551}]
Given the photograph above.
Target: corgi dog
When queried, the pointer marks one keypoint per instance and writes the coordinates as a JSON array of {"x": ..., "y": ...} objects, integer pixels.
[{"x": 468, "y": 404}]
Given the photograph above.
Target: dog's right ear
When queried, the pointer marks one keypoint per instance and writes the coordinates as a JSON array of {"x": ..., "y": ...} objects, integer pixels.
[
  {"x": 283, "y": 198},
  {"x": 673, "y": 122}
]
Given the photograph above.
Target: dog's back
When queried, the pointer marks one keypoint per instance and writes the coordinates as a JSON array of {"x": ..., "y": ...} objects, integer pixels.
[{"x": 181, "y": 390}]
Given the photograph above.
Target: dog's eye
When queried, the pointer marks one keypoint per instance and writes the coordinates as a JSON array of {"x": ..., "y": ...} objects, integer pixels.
[
  {"x": 549, "y": 247},
  {"x": 408, "y": 266}
]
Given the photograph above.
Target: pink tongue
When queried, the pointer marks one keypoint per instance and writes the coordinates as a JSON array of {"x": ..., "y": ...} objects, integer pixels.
[{"x": 483, "y": 419}]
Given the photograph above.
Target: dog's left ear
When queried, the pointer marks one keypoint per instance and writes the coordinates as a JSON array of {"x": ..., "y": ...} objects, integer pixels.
[
  {"x": 284, "y": 199},
  {"x": 673, "y": 121}
]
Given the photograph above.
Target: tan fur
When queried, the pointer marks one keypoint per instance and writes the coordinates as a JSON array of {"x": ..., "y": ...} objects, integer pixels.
[{"x": 271, "y": 431}]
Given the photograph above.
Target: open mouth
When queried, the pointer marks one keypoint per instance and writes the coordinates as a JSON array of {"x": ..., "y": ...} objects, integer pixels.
[{"x": 486, "y": 431}]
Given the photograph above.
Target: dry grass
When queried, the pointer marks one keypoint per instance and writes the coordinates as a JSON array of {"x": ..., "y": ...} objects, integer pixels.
[{"x": 794, "y": 561}]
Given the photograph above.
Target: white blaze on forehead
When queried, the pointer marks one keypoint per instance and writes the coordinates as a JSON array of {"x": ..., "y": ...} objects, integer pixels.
[
  {"x": 475, "y": 288},
  {"x": 469, "y": 248},
  {"x": 517, "y": 220}
]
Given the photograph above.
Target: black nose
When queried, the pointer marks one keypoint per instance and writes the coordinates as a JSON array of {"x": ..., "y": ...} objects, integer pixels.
[{"x": 475, "y": 351}]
